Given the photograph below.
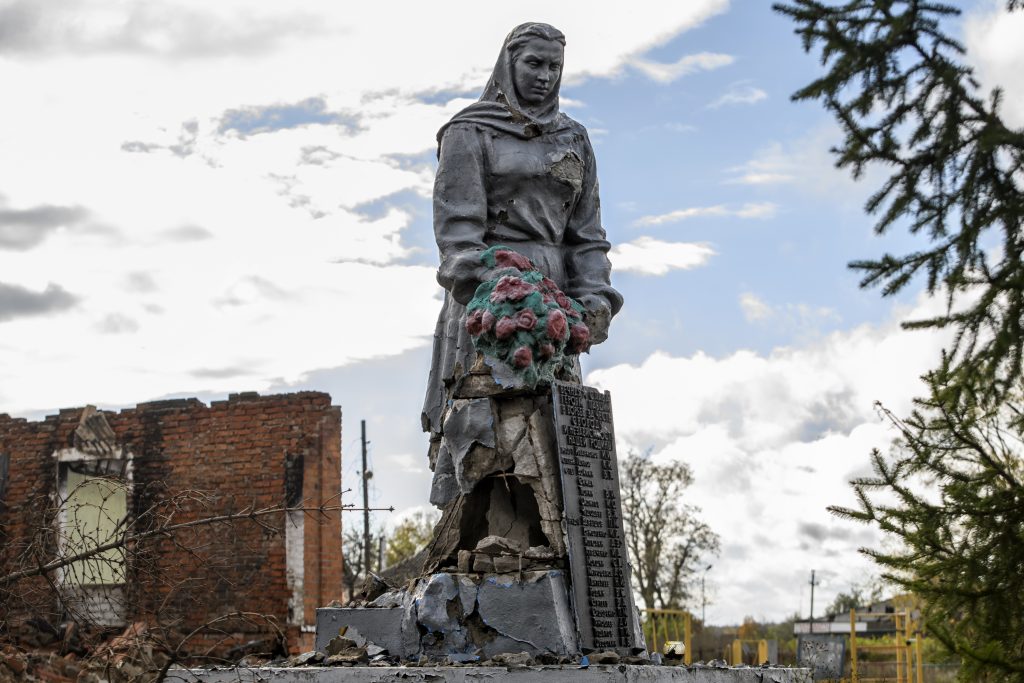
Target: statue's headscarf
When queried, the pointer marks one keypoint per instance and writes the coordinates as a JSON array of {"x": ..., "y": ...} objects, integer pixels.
[{"x": 499, "y": 106}]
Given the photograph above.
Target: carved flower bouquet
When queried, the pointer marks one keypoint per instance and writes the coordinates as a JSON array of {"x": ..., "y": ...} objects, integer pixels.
[{"x": 521, "y": 318}]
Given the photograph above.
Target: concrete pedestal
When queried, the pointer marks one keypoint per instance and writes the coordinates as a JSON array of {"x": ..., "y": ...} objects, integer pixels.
[
  {"x": 446, "y": 674},
  {"x": 454, "y": 615}
]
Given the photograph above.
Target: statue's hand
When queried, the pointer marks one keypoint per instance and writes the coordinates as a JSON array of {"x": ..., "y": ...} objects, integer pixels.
[
  {"x": 464, "y": 288},
  {"x": 597, "y": 316}
]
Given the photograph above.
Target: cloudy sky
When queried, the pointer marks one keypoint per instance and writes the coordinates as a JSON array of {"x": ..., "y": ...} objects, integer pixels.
[{"x": 201, "y": 198}]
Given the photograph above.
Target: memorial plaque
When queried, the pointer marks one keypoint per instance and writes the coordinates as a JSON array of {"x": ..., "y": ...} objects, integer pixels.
[
  {"x": 598, "y": 563},
  {"x": 824, "y": 654}
]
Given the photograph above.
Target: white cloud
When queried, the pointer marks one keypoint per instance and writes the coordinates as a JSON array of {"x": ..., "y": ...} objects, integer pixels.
[
  {"x": 226, "y": 152},
  {"x": 994, "y": 47},
  {"x": 749, "y": 210},
  {"x": 666, "y": 73},
  {"x": 749, "y": 177},
  {"x": 806, "y": 164},
  {"x": 570, "y": 103},
  {"x": 754, "y": 308},
  {"x": 773, "y": 440},
  {"x": 773, "y": 164},
  {"x": 739, "y": 94},
  {"x": 648, "y": 256},
  {"x": 800, "y": 317}
]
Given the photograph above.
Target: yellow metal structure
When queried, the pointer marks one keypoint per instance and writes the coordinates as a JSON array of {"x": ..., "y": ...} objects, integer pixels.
[
  {"x": 907, "y": 649},
  {"x": 674, "y": 625},
  {"x": 734, "y": 653}
]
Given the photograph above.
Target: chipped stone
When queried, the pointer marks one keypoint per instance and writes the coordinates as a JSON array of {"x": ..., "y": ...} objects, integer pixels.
[
  {"x": 348, "y": 656},
  {"x": 467, "y": 595},
  {"x": 444, "y": 487},
  {"x": 505, "y": 564},
  {"x": 534, "y": 612},
  {"x": 465, "y": 561},
  {"x": 478, "y": 386},
  {"x": 432, "y": 603},
  {"x": 389, "y": 599},
  {"x": 482, "y": 564},
  {"x": 446, "y": 614},
  {"x": 497, "y": 545},
  {"x": 606, "y": 657},
  {"x": 539, "y": 552},
  {"x": 463, "y": 657},
  {"x": 307, "y": 658},
  {"x": 513, "y": 659},
  {"x": 468, "y": 422},
  {"x": 338, "y": 644},
  {"x": 409, "y": 633},
  {"x": 381, "y": 626}
]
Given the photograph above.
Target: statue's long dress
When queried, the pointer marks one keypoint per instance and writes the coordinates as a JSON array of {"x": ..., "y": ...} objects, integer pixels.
[{"x": 537, "y": 195}]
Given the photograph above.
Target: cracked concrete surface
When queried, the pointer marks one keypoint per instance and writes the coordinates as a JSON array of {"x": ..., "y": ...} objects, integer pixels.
[
  {"x": 447, "y": 674},
  {"x": 446, "y": 614},
  {"x": 496, "y": 474}
]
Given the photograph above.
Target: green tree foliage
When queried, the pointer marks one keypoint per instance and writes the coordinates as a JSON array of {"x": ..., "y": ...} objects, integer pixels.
[
  {"x": 896, "y": 85},
  {"x": 952, "y": 491},
  {"x": 665, "y": 538},
  {"x": 859, "y": 597},
  {"x": 410, "y": 536}
]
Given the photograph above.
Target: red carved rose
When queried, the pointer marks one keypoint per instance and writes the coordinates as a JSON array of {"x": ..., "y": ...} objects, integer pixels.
[
  {"x": 510, "y": 259},
  {"x": 579, "y": 335},
  {"x": 557, "y": 327},
  {"x": 522, "y": 357},
  {"x": 511, "y": 288},
  {"x": 505, "y": 328},
  {"x": 526, "y": 320},
  {"x": 474, "y": 322},
  {"x": 487, "y": 321}
]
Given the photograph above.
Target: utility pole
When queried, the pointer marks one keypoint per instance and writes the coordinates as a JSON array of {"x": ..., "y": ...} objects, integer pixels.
[
  {"x": 366, "y": 506},
  {"x": 703, "y": 598},
  {"x": 813, "y": 584}
]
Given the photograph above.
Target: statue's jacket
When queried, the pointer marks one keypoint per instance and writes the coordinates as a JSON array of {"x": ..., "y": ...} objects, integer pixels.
[{"x": 535, "y": 192}]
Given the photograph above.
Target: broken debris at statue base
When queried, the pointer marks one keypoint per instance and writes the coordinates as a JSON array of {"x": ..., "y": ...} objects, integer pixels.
[
  {"x": 496, "y": 672},
  {"x": 462, "y": 618}
]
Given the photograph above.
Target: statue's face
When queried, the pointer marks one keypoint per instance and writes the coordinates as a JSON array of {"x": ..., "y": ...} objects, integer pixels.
[{"x": 537, "y": 69}]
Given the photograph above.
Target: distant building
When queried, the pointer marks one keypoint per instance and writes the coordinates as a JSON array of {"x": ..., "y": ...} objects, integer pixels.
[
  {"x": 80, "y": 478},
  {"x": 871, "y": 620}
]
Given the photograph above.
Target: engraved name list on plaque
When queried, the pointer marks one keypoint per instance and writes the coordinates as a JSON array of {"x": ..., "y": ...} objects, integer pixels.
[{"x": 598, "y": 561}]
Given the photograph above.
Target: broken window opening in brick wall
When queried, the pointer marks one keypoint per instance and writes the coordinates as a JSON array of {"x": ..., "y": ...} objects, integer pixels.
[
  {"x": 94, "y": 495},
  {"x": 94, "y": 498}
]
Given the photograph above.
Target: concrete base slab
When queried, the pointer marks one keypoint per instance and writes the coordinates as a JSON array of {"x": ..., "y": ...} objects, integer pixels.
[
  {"x": 489, "y": 674},
  {"x": 382, "y": 626},
  {"x": 463, "y": 615}
]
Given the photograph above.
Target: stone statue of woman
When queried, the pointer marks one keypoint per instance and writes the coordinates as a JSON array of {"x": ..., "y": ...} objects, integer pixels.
[{"x": 513, "y": 171}]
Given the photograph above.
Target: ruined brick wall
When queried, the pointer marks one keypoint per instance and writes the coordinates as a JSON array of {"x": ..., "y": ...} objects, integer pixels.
[
  {"x": 249, "y": 452},
  {"x": 28, "y": 490}
]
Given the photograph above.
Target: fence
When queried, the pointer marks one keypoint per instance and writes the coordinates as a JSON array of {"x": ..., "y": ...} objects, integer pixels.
[
  {"x": 734, "y": 652},
  {"x": 906, "y": 646}
]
